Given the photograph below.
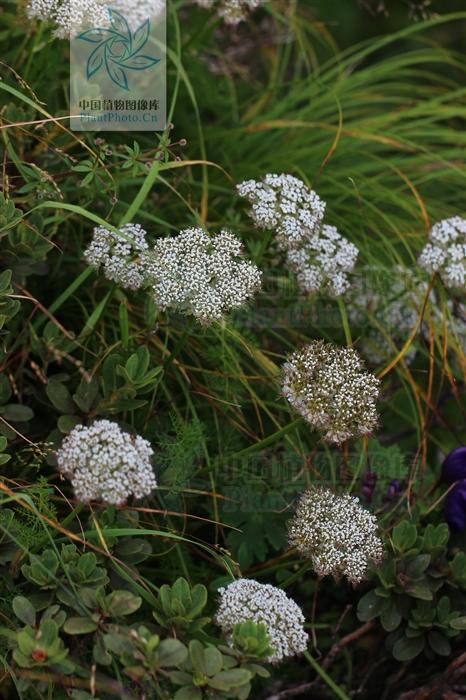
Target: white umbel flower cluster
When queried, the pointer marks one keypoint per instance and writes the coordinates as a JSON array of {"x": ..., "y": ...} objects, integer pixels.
[
  {"x": 323, "y": 262},
  {"x": 319, "y": 255},
  {"x": 105, "y": 463},
  {"x": 71, "y": 16},
  {"x": 336, "y": 533},
  {"x": 330, "y": 388},
  {"x": 445, "y": 252},
  {"x": 287, "y": 205},
  {"x": 395, "y": 304},
  {"x": 384, "y": 309},
  {"x": 121, "y": 256},
  {"x": 246, "y": 599},
  {"x": 232, "y": 11},
  {"x": 202, "y": 275},
  {"x": 137, "y": 11}
]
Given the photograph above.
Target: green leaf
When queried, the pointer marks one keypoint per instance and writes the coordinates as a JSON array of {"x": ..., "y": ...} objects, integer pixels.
[
  {"x": 458, "y": 623},
  {"x": 24, "y": 610},
  {"x": 67, "y": 423},
  {"x": 86, "y": 394},
  {"x": 458, "y": 567},
  {"x": 79, "y": 625},
  {"x": 196, "y": 653},
  {"x": 406, "y": 649},
  {"x": 181, "y": 591},
  {"x": 5, "y": 280},
  {"x": 443, "y": 609},
  {"x": 439, "y": 643},
  {"x": 212, "y": 661},
  {"x": 118, "y": 643},
  {"x": 99, "y": 652},
  {"x": 109, "y": 372},
  {"x": 417, "y": 565},
  {"x": 188, "y": 693},
  {"x": 390, "y": 617},
  {"x": 419, "y": 591},
  {"x": 199, "y": 600},
  {"x": 5, "y": 389},
  {"x": 370, "y": 606},
  {"x": 172, "y": 652},
  {"x": 48, "y": 632},
  {"x": 60, "y": 397},
  {"x": 120, "y": 603},
  {"x": 180, "y": 677},
  {"x": 404, "y": 535},
  {"x": 26, "y": 641},
  {"x": 17, "y": 413},
  {"x": 436, "y": 537},
  {"x": 225, "y": 680},
  {"x": 258, "y": 537},
  {"x": 143, "y": 360}
]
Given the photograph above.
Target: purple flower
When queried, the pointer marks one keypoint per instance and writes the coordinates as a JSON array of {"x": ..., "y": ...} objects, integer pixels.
[
  {"x": 455, "y": 507},
  {"x": 454, "y": 466},
  {"x": 369, "y": 481},
  {"x": 454, "y": 470},
  {"x": 394, "y": 489}
]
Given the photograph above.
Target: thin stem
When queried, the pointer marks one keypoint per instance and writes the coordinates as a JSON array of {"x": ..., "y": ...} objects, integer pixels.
[{"x": 339, "y": 693}]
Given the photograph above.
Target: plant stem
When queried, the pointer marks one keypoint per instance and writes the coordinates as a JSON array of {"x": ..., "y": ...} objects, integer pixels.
[{"x": 339, "y": 693}]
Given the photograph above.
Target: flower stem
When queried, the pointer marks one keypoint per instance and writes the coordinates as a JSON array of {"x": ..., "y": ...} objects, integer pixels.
[{"x": 339, "y": 693}]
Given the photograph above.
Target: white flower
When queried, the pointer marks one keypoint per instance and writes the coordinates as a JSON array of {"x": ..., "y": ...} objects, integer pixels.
[
  {"x": 287, "y": 205},
  {"x": 137, "y": 11},
  {"x": 71, "y": 16},
  {"x": 319, "y": 255},
  {"x": 246, "y": 599},
  {"x": 232, "y": 11},
  {"x": 445, "y": 252},
  {"x": 330, "y": 388},
  {"x": 122, "y": 256},
  {"x": 323, "y": 262},
  {"x": 105, "y": 463},
  {"x": 394, "y": 302},
  {"x": 336, "y": 533},
  {"x": 202, "y": 275},
  {"x": 384, "y": 309}
]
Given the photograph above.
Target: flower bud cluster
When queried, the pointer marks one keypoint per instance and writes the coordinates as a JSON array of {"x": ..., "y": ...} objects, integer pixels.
[
  {"x": 319, "y": 255},
  {"x": 72, "y": 16},
  {"x": 121, "y": 255},
  {"x": 246, "y": 599},
  {"x": 336, "y": 533},
  {"x": 202, "y": 275},
  {"x": 330, "y": 388},
  {"x": 105, "y": 463},
  {"x": 192, "y": 272},
  {"x": 385, "y": 313},
  {"x": 323, "y": 263},
  {"x": 69, "y": 16},
  {"x": 232, "y": 11},
  {"x": 445, "y": 251},
  {"x": 287, "y": 205}
]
